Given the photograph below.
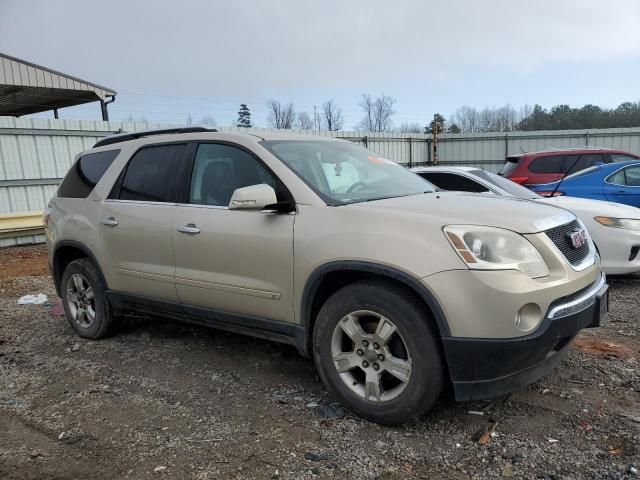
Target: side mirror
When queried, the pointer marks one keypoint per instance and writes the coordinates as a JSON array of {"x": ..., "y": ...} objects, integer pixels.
[{"x": 253, "y": 197}]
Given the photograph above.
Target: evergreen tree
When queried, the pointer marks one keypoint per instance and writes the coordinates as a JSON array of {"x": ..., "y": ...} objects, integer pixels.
[{"x": 244, "y": 117}]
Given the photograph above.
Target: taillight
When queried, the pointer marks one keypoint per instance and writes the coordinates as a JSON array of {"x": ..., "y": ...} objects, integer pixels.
[
  {"x": 519, "y": 180},
  {"x": 45, "y": 217},
  {"x": 550, "y": 193}
]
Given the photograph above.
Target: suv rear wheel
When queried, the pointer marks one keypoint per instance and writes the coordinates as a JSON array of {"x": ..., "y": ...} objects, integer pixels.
[
  {"x": 377, "y": 352},
  {"x": 84, "y": 300}
]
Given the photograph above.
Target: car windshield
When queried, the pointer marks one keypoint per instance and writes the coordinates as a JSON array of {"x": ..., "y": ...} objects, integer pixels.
[
  {"x": 510, "y": 187},
  {"x": 342, "y": 172}
]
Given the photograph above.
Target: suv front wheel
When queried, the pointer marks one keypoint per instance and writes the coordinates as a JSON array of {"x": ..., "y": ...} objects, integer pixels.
[
  {"x": 84, "y": 299},
  {"x": 376, "y": 351}
]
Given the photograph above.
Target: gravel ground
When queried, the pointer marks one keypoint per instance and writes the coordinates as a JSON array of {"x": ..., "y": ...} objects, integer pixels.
[{"x": 163, "y": 399}]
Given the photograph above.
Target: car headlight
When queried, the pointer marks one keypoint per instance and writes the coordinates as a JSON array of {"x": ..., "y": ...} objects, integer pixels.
[
  {"x": 490, "y": 248},
  {"x": 628, "y": 223}
]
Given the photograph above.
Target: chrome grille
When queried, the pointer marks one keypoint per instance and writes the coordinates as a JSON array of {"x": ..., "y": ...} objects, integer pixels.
[{"x": 560, "y": 237}]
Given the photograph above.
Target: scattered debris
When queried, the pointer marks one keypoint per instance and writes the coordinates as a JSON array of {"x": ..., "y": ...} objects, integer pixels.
[
  {"x": 475, "y": 412},
  {"x": 552, "y": 440},
  {"x": 76, "y": 347},
  {"x": 507, "y": 471},
  {"x": 57, "y": 310},
  {"x": 615, "y": 451},
  {"x": 483, "y": 437},
  {"x": 315, "y": 456},
  {"x": 38, "y": 299},
  {"x": 61, "y": 436},
  {"x": 312, "y": 405},
  {"x": 159, "y": 468},
  {"x": 586, "y": 426},
  {"x": 332, "y": 410},
  {"x": 633, "y": 416}
]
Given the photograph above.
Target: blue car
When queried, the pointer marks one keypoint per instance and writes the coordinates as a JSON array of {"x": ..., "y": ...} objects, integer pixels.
[{"x": 616, "y": 182}]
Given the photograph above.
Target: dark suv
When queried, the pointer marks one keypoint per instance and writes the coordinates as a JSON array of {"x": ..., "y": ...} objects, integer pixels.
[{"x": 551, "y": 165}]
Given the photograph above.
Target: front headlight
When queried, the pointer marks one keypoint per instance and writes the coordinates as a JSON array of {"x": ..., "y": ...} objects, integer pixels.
[
  {"x": 628, "y": 223},
  {"x": 490, "y": 248}
]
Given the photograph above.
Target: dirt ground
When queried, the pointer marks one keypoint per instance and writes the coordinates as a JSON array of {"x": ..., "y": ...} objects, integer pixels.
[{"x": 163, "y": 399}]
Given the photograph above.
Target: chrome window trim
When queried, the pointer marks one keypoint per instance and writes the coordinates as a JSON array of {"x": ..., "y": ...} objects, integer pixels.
[
  {"x": 140, "y": 202},
  {"x": 579, "y": 304},
  {"x": 200, "y": 205}
]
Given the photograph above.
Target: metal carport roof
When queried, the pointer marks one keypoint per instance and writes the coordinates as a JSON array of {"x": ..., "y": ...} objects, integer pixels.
[{"x": 29, "y": 88}]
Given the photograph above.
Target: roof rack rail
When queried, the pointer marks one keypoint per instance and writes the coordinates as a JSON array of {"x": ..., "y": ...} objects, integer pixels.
[{"x": 123, "y": 137}]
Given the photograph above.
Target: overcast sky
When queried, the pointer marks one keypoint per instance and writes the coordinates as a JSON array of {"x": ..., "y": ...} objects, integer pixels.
[{"x": 168, "y": 59}]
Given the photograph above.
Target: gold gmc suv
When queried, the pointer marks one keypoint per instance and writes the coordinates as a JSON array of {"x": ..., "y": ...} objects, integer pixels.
[{"x": 396, "y": 289}]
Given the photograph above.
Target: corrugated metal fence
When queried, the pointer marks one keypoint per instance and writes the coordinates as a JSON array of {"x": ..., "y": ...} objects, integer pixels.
[{"x": 36, "y": 153}]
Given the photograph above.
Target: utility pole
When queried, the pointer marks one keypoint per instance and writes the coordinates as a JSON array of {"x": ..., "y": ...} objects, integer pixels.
[
  {"x": 315, "y": 120},
  {"x": 437, "y": 127}
]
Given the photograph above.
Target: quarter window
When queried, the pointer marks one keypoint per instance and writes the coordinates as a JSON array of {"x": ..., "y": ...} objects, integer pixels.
[
  {"x": 218, "y": 170},
  {"x": 621, "y": 158},
  {"x": 152, "y": 175},
  {"x": 86, "y": 173},
  {"x": 553, "y": 164}
]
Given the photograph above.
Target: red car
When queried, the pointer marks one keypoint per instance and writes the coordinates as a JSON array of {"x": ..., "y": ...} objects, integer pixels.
[{"x": 551, "y": 165}]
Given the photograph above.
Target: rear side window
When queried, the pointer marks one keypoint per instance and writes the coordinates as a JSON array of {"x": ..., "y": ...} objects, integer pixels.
[
  {"x": 629, "y": 176},
  {"x": 510, "y": 165},
  {"x": 553, "y": 164},
  {"x": 152, "y": 175},
  {"x": 86, "y": 173},
  {"x": 453, "y": 182},
  {"x": 616, "y": 157}
]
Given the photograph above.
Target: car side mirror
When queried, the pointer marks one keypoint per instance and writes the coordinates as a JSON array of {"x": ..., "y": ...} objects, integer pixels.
[{"x": 253, "y": 197}]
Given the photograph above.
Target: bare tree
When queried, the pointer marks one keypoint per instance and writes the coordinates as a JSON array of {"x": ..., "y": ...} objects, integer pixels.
[
  {"x": 209, "y": 121},
  {"x": 410, "y": 127},
  {"x": 494, "y": 119},
  {"x": 332, "y": 116},
  {"x": 280, "y": 116},
  {"x": 304, "y": 121},
  {"x": 377, "y": 113}
]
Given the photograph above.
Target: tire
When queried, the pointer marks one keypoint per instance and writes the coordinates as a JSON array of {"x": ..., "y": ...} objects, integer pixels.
[
  {"x": 98, "y": 320},
  {"x": 414, "y": 344}
]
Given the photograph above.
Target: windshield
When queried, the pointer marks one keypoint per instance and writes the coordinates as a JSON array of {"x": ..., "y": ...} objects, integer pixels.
[
  {"x": 510, "y": 187},
  {"x": 342, "y": 172}
]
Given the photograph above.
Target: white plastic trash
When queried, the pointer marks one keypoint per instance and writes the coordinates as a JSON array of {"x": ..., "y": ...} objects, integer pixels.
[{"x": 38, "y": 299}]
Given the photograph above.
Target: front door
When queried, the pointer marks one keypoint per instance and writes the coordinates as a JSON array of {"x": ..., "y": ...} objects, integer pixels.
[
  {"x": 232, "y": 261},
  {"x": 624, "y": 186},
  {"x": 136, "y": 223}
]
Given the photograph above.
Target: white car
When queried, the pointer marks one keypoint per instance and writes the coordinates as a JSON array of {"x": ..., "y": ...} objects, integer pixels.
[{"x": 614, "y": 227}]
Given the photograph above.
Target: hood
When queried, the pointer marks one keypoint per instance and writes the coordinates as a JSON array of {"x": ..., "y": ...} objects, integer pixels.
[
  {"x": 450, "y": 208},
  {"x": 593, "y": 207}
]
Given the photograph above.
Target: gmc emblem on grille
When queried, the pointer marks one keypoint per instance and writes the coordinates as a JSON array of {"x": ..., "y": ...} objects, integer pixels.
[{"x": 578, "y": 238}]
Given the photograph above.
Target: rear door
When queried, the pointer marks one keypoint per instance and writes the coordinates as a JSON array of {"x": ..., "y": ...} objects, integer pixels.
[
  {"x": 232, "y": 261},
  {"x": 136, "y": 223},
  {"x": 623, "y": 186}
]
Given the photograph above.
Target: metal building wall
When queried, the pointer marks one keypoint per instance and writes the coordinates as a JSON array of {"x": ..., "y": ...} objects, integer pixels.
[{"x": 36, "y": 153}]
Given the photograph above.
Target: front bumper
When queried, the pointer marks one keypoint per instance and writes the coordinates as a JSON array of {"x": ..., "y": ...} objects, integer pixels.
[
  {"x": 619, "y": 250},
  {"x": 483, "y": 367}
]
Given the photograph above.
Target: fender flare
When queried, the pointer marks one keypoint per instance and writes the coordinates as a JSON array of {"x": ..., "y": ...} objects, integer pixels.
[
  {"x": 57, "y": 276},
  {"x": 316, "y": 277}
]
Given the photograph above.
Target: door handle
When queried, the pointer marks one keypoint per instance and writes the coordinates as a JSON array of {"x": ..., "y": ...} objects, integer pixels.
[
  {"x": 189, "y": 228},
  {"x": 112, "y": 222}
]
